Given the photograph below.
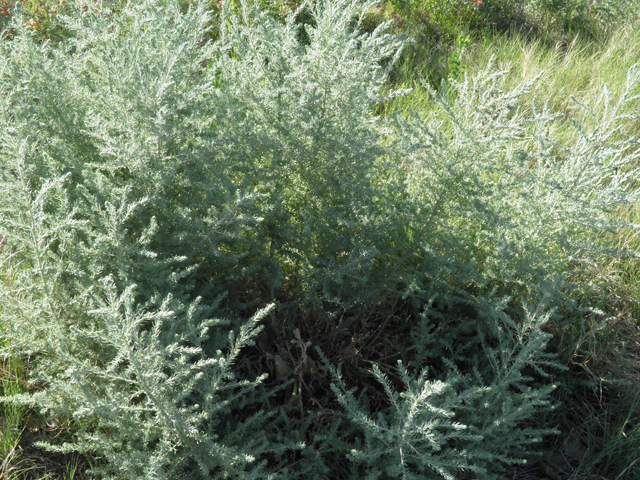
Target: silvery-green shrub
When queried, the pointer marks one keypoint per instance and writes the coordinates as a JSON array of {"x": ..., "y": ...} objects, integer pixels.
[{"x": 160, "y": 191}]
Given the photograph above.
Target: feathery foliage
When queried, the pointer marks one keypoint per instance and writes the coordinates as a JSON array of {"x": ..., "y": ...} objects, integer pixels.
[{"x": 166, "y": 196}]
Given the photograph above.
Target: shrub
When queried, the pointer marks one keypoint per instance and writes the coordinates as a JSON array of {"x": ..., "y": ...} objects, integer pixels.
[{"x": 158, "y": 189}]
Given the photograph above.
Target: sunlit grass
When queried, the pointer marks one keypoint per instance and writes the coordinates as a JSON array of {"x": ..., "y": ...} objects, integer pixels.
[{"x": 11, "y": 419}]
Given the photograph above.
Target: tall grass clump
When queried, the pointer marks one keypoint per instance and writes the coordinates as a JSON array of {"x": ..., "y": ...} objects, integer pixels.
[
  {"x": 11, "y": 428},
  {"x": 186, "y": 218}
]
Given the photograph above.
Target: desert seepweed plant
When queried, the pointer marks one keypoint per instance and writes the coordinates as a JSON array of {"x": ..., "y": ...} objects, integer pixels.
[{"x": 171, "y": 201}]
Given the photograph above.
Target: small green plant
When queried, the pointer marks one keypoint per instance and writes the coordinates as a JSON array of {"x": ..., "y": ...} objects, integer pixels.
[
  {"x": 72, "y": 468},
  {"x": 456, "y": 65}
]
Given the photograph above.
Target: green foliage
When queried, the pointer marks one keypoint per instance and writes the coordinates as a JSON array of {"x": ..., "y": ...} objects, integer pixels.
[
  {"x": 445, "y": 20},
  {"x": 11, "y": 417},
  {"x": 584, "y": 16},
  {"x": 456, "y": 67},
  {"x": 450, "y": 17},
  {"x": 157, "y": 189}
]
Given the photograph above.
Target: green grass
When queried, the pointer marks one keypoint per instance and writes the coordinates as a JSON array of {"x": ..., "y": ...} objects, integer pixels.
[
  {"x": 12, "y": 420},
  {"x": 20, "y": 427},
  {"x": 579, "y": 68}
]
